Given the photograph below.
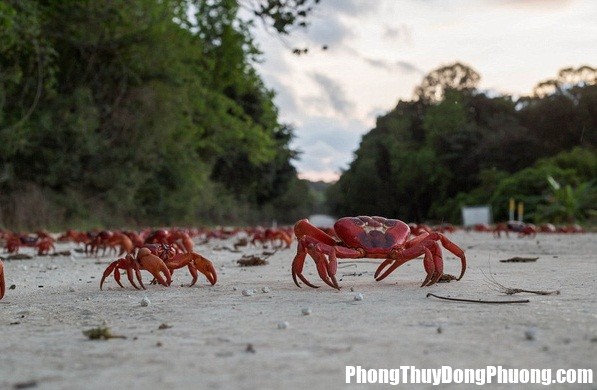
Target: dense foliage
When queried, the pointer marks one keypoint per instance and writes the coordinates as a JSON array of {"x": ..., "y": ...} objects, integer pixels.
[
  {"x": 141, "y": 112},
  {"x": 454, "y": 145}
]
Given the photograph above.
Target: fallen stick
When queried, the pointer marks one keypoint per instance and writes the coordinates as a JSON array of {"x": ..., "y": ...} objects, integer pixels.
[{"x": 511, "y": 291}]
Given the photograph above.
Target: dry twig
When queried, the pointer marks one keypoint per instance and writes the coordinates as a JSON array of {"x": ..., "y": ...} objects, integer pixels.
[
  {"x": 250, "y": 261},
  {"x": 475, "y": 300},
  {"x": 519, "y": 260}
]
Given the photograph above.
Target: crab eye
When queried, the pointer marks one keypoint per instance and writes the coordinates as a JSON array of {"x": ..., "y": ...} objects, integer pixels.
[{"x": 375, "y": 224}]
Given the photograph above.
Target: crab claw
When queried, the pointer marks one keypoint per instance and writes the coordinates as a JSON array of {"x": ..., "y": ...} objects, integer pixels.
[
  {"x": 127, "y": 263},
  {"x": 298, "y": 264},
  {"x": 187, "y": 243},
  {"x": 206, "y": 267},
  {"x": 455, "y": 249},
  {"x": 2, "y": 284},
  {"x": 133, "y": 265},
  {"x": 196, "y": 263},
  {"x": 326, "y": 268},
  {"x": 155, "y": 266},
  {"x": 434, "y": 266},
  {"x": 325, "y": 262}
]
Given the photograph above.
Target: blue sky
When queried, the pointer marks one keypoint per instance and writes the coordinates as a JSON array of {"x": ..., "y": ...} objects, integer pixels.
[{"x": 379, "y": 50}]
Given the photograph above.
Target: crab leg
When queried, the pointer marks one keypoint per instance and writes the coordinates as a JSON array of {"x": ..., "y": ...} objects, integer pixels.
[
  {"x": 155, "y": 266},
  {"x": 304, "y": 229},
  {"x": 116, "y": 278},
  {"x": 297, "y": 266},
  {"x": 309, "y": 237},
  {"x": 325, "y": 257},
  {"x": 433, "y": 261},
  {"x": 108, "y": 271},
  {"x": 207, "y": 268},
  {"x": 138, "y": 274},
  {"x": 455, "y": 250},
  {"x": 405, "y": 255}
]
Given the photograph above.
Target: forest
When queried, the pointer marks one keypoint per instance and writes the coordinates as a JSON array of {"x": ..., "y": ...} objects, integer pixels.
[
  {"x": 132, "y": 113},
  {"x": 136, "y": 113},
  {"x": 454, "y": 145}
]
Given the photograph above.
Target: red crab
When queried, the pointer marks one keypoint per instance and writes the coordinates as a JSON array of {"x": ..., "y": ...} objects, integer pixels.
[
  {"x": 371, "y": 237},
  {"x": 528, "y": 229}
]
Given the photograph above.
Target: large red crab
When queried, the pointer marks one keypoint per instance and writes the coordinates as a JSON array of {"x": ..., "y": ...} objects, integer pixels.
[{"x": 371, "y": 237}]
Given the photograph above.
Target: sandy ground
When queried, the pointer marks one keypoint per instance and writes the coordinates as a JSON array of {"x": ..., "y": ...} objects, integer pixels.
[{"x": 218, "y": 338}]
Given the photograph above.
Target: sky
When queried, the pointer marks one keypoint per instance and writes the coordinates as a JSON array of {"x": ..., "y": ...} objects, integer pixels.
[{"x": 378, "y": 51}]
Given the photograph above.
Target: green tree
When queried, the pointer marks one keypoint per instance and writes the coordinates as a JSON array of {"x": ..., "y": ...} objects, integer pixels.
[{"x": 567, "y": 204}]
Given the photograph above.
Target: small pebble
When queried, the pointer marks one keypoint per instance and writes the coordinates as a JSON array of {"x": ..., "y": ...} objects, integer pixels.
[
  {"x": 234, "y": 288},
  {"x": 358, "y": 297},
  {"x": 306, "y": 311},
  {"x": 265, "y": 289},
  {"x": 283, "y": 325},
  {"x": 145, "y": 301},
  {"x": 25, "y": 385},
  {"x": 530, "y": 334},
  {"x": 71, "y": 289},
  {"x": 248, "y": 292}
]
